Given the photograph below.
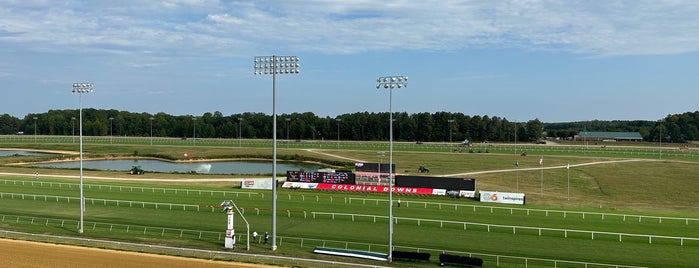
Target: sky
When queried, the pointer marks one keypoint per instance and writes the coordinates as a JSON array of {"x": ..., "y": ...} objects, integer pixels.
[{"x": 556, "y": 61}]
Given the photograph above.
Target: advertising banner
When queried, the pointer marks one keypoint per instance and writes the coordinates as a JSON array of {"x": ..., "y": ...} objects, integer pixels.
[
  {"x": 503, "y": 198},
  {"x": 262, "y": 184},
  {"x": 362, "y": 188},
  {"x": 299, "y": 185}
]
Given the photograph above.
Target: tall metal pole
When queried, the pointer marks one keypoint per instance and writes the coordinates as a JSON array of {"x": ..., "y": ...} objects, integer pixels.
[
  {"x": 240, "y": 141},
  {"x": 111, "y": 132},
  {"x": 451, "y": 124},
  {"x": 338, "y": 131},
  {"x": 660, "y": 128},
  {"x": 275, "y": 65},
  {"x": 151, "y": 131},
  {"x": 35, "y": 118},
  {"x": 194, "y": 130},
  {"x": 287, "y": 130},
  {"x": 389, "y": 82},
  {"x": 72, "y": 125},
  {"x": 81, "y": 88}
]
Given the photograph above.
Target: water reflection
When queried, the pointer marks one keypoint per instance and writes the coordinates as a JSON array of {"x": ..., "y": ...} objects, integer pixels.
[
  {"x": 213, "y": 167},
  {"x": 20, "y": 153}
]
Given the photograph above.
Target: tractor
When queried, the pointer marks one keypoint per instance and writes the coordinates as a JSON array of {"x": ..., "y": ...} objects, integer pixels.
[
  {"x": 136, "y": 170},
  {"x": 423, "y": 169}
]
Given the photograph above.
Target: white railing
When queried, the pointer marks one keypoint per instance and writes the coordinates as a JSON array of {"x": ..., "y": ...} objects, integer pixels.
[
  {"x": 125, "y": 188},
  {"x": 317, "y": 242},
  {"x": 98, "y": 200},
  {"x": 514, "y": 229},
  {"x": 564, "y": 213}
]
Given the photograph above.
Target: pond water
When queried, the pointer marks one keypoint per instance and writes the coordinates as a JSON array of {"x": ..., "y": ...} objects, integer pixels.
[
  {"x": 20, "y": 152},
  {"x": 213, "y": 167}
]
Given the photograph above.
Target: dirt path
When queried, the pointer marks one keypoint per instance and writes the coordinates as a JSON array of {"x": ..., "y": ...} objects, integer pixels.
[
  {"x": 16, "y": 253},
  {"x": 549, "y": 167}
]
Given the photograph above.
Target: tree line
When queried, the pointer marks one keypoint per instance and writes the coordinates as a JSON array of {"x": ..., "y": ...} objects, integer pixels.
[{"x": 361, "y": 126}]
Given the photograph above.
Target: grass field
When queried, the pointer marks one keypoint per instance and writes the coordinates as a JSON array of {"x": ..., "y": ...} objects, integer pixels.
[{"x": 642, "y": 189}]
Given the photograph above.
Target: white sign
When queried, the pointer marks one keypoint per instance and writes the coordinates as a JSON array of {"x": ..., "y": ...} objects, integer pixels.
[
  {"x": 503, "y": 198},
  {"x": 263, "y": 184}
]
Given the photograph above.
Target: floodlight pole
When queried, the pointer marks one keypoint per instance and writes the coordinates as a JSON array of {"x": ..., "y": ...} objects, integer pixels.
[
  {"x": 389, "y": 82},
  {"x": 151, "y": 131},
  {"x": 338, "y": 131},
  {"x": 240, "y": 141},
  {"x": 660, "y": 136},
  {"x": 194, "y": 130},
  {"x": 451, "y": 125},
  {"x": 287, "y": 130},
  {"x": 111, "y": 131},
  {"x": 35, "y": 118},
  {"x": 81, "y": 88},
  {"x": 275, "y": 65}
]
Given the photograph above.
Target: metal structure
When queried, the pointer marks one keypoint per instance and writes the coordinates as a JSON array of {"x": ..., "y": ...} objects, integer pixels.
[
  {"x": 275, "y": 65},
  {"x": 194, "y": 130},
  {"x": 111, "y": 130},
  {"x": 240, "y": 139},
  {"x": 451, "y": 125},
  {"x": 228, "y": 206},
  {"x": 80, "y": 89},
  {"x": 151, "y": 130},
  {"x": 35, "y": 118},
  {"x": 390, "y": 82},
  {"x": 338, "y": 131}
]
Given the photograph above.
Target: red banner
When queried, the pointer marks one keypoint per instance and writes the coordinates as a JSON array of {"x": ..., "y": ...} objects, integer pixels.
[{"x": 373, "y": 188}]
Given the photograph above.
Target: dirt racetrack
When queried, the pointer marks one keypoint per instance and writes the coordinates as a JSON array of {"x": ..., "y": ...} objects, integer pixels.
[{"x": 16, "y": 253}]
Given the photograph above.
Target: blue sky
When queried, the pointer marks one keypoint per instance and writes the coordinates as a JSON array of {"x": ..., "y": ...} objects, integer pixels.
[{"x": 552, "y": 60}]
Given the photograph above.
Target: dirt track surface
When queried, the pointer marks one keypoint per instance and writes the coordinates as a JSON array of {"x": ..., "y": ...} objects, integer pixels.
[{"x": 22, "y": 254}]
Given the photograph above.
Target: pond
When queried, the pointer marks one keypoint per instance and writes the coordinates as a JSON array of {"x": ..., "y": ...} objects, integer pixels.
[
  {"x": 212, "y": 167},
  {"x": 20, "y": 153}
]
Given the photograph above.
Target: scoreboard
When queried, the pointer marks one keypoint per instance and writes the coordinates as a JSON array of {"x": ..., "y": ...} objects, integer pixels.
[{"x": 321, "y": 177}]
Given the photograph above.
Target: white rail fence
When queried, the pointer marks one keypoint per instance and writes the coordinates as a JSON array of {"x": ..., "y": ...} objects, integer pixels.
[
  {"x": 540, "y": 230},
  {"x": 528, "y": 211},
  {"x": 121, "y": 188}
]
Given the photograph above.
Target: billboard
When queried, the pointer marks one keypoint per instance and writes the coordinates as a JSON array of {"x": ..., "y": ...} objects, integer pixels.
[
  {"x": 501, "y": 197},
  {"x": 362, "y": 188},
  {"x": 262, "y": 184},
  {"x": 321, "y": 177}
]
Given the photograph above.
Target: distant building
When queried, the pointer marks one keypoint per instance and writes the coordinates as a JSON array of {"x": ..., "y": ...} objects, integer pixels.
[{"x": 608, "y": 136}]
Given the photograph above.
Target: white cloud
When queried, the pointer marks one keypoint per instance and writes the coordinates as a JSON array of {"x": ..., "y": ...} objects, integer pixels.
[{"x": 199, "y": 28}]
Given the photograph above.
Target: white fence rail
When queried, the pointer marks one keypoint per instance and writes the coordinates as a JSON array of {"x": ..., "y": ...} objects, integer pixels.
[
  {"x": 563, "y": 213},
  {"x": 308, "y": 242},
  {"x": 121, "y": 188},
  {"x": 540, "y": 230},
  {"x": 93, "y": 201}
]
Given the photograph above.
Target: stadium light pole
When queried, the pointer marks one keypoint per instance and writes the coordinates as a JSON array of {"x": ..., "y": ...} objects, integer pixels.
[
  {"x": 35, "y": 118},
  {"x": 390, "y": 82},
  {"x": 451, "y": 125},
  {"x": 194, "y": 130},
  {"x": 111, "y": 131},
  {"x": 660, "y": 136},
  {"x": 151, "y": 130},
  {"x": 80, "y": 89},
  {"x": 338, "y": 131},
  {"x": 275, "y": 65},
  {"x": 287, "y": 129},
  {"x": 240, "y": 123}
]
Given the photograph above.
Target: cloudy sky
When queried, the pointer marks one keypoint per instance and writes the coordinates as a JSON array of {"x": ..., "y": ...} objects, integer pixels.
[{"x": 552, "y": 60}]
